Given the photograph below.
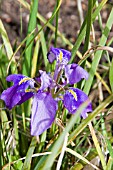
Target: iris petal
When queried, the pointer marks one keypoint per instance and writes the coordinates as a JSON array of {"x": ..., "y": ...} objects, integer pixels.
[
  {"x": 62, "y": 56},
  {"x": 17, "y": 94},
  {"x": 46, "y": 80},
  {"x": 74, "y": 73},
  {"x": 16, "y": 78},
  {"x": 73, "y": 99},
  {"x": 43, "y": 112},
  {"x": 11, "y": 97},
  {"x": 25, "y": 96}
]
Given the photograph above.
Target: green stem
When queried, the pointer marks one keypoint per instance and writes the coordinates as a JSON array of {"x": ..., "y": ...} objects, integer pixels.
[{"x": 16, "y": 132}]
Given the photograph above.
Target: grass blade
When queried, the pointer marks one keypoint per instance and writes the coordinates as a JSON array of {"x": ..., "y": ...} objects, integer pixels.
[
  {"x": 88, "y": 27},
  {"x": 83, "y": 30},
  {"x": 8, "y": 47},
  {"x": 27, "y": 162},
  {"x": 56, "y": 30},
  {"x": 44, "y": 47},
  {"x": 111, "y": 75},
  {"x": 98, "y": 54},
  {"x": 29, "y": 44}
]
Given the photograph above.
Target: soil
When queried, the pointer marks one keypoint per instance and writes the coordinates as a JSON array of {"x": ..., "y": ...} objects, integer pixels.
[{"x": 11, "y": 13}]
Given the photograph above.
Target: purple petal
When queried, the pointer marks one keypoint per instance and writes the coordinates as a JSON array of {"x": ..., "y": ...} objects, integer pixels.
[
  {"x": 17, "y": 93},
  {"x": 74, "y": 73},
  {"x": 25, "y": 96},
  {"x": 11, "y": 96},
  {"x": 51, "y": 56},
  {"x": 46, "y": 80},
  {"x": 62, "y": 56},
  {"x": 58, "y": 68},
  {"x": 16, "y": 78},
  {"x": 73, "y": 98},
  {"x": 43, "y": 113}
]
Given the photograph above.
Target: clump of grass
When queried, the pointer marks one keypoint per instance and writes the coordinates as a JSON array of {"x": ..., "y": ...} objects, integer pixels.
[{"x": 72, "y": 143}]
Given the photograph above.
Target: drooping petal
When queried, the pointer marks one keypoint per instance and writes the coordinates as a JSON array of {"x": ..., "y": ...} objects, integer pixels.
[
  {"x": 25, "y": 96},
  {"x": 61, "y": 55},
  {"x": 74, "y": 73},
  {"x": 11, "y": 96},
  {"x": 73, "y": 99},
  {"x": 43, "y": 113},
  {"x": 17, "y": 93},
  {"x": 46, "y": 80}
]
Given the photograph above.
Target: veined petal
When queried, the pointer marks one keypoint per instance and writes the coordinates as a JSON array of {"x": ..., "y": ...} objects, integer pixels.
[
  {"x": 73, "y": 99},
  {"x": 20, "y": 80},
  {"x": 17, "y": 93},
  {"x": 62, "y": 56},
  {"x": 16, "y": 78},
  {"x": 46, "y": 80},
  {"x": 74, "y": 73},
  {"x": 43, "y": 113},
  {"x": 25, "y": 96},
  {"x": 11, "y": 96}
]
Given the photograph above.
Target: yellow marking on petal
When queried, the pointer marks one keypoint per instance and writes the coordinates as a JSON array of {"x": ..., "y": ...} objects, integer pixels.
[
  {"x": 74, "y": 94},
  {"x": 24, "y": 80},
  {"x": 31, "y": 90},
  {"x": 61, "y": 97},
  {"x": 28, "y": 90},
  {"x": 60, "y": 56}
]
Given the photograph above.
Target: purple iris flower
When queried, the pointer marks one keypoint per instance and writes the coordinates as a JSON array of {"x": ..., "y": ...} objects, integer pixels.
[
  {"x": 73, "y": 72},
  {"x": 47, "y": 95},
  {"x": 17, "y": 94}
]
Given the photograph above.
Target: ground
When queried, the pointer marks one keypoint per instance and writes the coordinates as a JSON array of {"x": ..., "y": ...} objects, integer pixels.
[{"x": 69, "y": 21}]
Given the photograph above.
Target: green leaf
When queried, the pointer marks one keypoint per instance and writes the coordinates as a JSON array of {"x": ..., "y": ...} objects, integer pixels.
[
  {"x": 83, "y": 30},
  {"x": 110, "y": 164},
  {"x": 98, "y": 54},
  {"x": 27, "y": 162},
  {"x": 8, "y": 47},
  {"x": 44, "y": 47},
  {"x": 29, "y": 42},
  {"x": 111, "y": 75}
]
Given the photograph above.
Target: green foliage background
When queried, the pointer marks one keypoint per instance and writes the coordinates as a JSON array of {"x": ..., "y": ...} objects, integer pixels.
[{"x": 80, "y": 142}]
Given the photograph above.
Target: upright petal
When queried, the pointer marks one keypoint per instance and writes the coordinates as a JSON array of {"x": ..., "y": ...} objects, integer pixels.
[
  {"x": 62, "y": 56},
  {"x": 16, "y": 78},
  {"x": 74, "y": 73},
  {"x": 73, "y": 98},
  {"x": 46, "y": 80},
  {"x": 43, "y": 113}
]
